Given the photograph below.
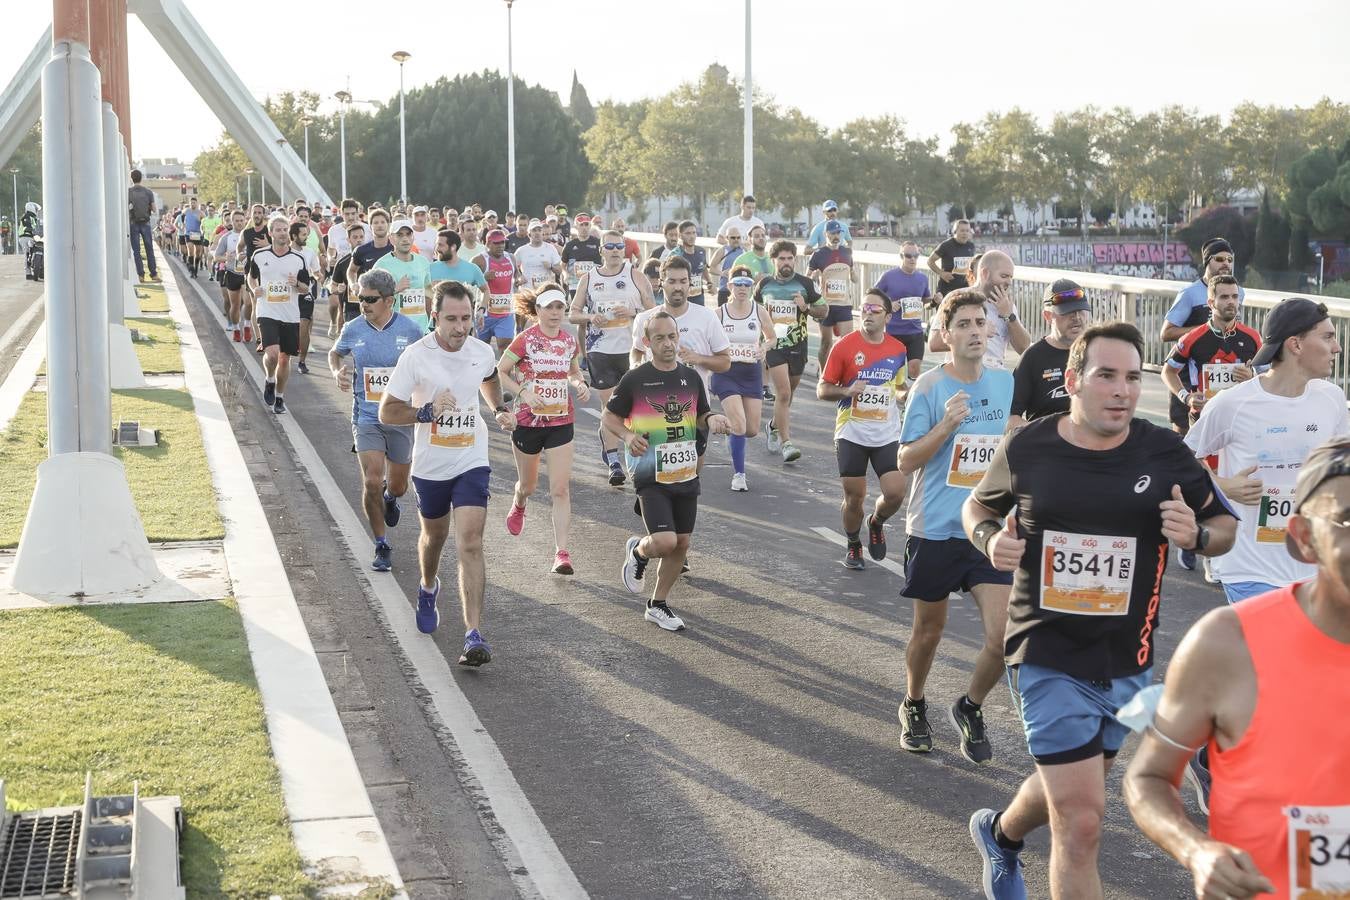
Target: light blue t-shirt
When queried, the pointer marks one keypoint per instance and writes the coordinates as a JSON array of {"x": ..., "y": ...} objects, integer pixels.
[
  {"x": 192, "y": 221},
  {"x": 462, "y": 271},
  {"x": 817, "y": 236},
  {"x": 1193, "y": 297},
  {"x": 377, "y": 349},
  {"x": 933, "y": 510}
]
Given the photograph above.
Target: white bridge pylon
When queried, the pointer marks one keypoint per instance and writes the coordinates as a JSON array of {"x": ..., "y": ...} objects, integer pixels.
[{"x": 176, "y": 31}]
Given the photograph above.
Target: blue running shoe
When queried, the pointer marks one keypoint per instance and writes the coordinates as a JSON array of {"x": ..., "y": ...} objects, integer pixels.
[
  {"x": 392, "y": 512},
  {"x": 428, "y": 617},
  {"x": 384, "y": 559},
  {"x": 1197, "y": 776},
  {"x": 476, "y": 650},
  {"x": 1186, "y": 558},
  {"x": 1002, "y": 867}
]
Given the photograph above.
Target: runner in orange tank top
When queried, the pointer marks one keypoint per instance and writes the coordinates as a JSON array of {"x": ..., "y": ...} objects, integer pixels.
[{"x": 1265, "y": 684}]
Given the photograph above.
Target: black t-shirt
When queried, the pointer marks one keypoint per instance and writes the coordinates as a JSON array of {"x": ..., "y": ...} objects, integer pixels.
[
  {"x": 584, "y": 251},
  {"x": 665, "y": 407},
  {"x": 366, "y": 255},
  {"x": 954, "y": 256},
  {"x": 515, "y": 241},
  {"x": 249, "y": 238},
  {"x": 1092, "y": 522},
  {"x": 340, "y": 277},
  {"x": 1038, "y": 382}
]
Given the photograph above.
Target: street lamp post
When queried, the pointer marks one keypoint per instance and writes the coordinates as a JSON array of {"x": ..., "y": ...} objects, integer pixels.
[
  {"x": 400, "y": 57},
  {"x": 343, "y": 98},
  {"x": 248, "y": 173},
  {"x": 14, "y": 225},
  {"x": 236, "y": 190},
  {"x": 510, "y": 117},
  {"x": 1320, "y": 269},
  {"x": 281, "y": 166},
  {"x": 748, "y": 174},
  {"x": 305, "y": 122}
]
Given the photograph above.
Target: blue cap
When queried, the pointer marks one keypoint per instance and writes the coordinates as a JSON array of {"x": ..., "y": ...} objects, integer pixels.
[
  {"x": 830, "y": 204},
  {"x": 833, "y": 227}
]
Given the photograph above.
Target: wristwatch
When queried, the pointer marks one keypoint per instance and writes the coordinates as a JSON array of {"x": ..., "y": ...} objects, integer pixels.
[
  {"x": 1201, "y": 539},
  {"x": 499, "y": 410},
  {"x": 1010, "y": 317}
]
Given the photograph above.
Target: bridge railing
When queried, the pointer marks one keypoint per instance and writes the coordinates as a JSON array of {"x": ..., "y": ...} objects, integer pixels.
[{"x": 1142, "y": 301}]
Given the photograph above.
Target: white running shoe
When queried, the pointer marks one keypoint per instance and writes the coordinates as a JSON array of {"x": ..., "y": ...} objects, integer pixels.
[
  {"x": 662, "y": 615},
  {"x": 738, "y": 482},
  {"x": 772, "y": 440}
]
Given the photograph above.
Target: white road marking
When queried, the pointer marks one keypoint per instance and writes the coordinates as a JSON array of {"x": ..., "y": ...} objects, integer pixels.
[{"x": 838, "y": 537}]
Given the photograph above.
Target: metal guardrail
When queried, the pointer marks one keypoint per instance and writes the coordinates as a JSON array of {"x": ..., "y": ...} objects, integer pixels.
[{"x": 1142, "y": 301}]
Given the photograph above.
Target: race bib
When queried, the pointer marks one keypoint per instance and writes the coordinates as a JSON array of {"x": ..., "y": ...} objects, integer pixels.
[
  {"x": 836, "y": 290},
  {"x": 539, "y": 278},
  {"x": 743, "y": 352},
  {"x": 553, "y": 394},
  {"x": 1087, "y": 574},
  {"x": 676, "y": 462},
  {"x": 455, "y": 428},
  {"x": 617, "y": 313},
  {"x": 1319, "y": 852},
  {"x": 1272, "y": 520},
  {"x": 238, "y": 265},
  {"x": 499, "y": 304},
  {"x": 961, "y": 265},
  {"x": 874, "y": 403},
  {"x": 911, "y": 308},
  {"x": 194, "y": 235},
  {"x": 579, "y": 268},
  {"x": 277, "y": 291},
  {"x": 412, "y": 303},
  {"x": 971, "y": 456},
  {"x": 783, "y": 311},
  {"x": 375, "y": 380},
  {"x": 1215, "y": 377}
]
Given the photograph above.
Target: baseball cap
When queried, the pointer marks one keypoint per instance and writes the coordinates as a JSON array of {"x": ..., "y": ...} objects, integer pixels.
[
  {"x": 535, "y": 223},
  {"x": 1065, "y": 296},
  {"x": 400, "y": 224},
  {"x": 418, "y": 209},
  {"x": 560, "y": 209},
  {"x": 495, "y": 234},
  {"x": 1290, "y": 317},
  {"x": 552, "y": 219},
  {"x": 490, "y": 212},
  {"x": 1326, "y": 461},
  {"x": 830, "y": 204},
  {"x": 582, "y": 219},
  {"x": 833, "y": 227}
]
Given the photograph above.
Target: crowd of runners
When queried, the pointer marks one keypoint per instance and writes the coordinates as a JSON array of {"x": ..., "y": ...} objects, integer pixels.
[{"x": 1027, "y": 481}]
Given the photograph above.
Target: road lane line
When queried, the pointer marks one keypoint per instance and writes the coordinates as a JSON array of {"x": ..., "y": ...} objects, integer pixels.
[{"x": 837, "y": 537}]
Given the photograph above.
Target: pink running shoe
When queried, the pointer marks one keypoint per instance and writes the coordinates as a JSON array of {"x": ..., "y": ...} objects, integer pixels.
[
  {"x": 515, "y": 519},
  {"x": 562, "y": 563}
]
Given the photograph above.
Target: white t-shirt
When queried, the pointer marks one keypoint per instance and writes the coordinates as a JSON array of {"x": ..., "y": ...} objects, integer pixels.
[
  {"x": 458, "y": 440},
  {"x": 471, "y": 254},
  {"x": 997, "y": 344},
  {"x": 536, "y": 263},
  {"x": 743, "y": 224},
  {"x": 424, "y": 242},
  {"x": 1247, "y": 426},
  {"x": 700, "y": 331},
  {"x": 337, "y": 238},
  {"x": 277, "y": 299}
]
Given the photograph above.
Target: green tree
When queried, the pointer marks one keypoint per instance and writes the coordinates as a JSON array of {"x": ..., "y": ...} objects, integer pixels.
[
  {"x": 1010, "y": 147},
  {"x": 218, "y": 170},
  {"x": 579, "y": 105},
  {"x": 1073, "y": 158},
  {"x": 615, "y": 148},
  {"x": 795, "y": 162},
  {"x": 1271, "y": 254},
  {"x": 28, "y": 160},
  {"x": 693, "y": 138}
]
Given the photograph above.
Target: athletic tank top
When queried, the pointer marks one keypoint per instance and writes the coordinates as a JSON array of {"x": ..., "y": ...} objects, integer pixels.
[
  {"x": 500, "y": 275},
  {"x": 611, "y": 294},
  {"x": 1295, "y": 753},
  {"x": 744, "y": 334}
]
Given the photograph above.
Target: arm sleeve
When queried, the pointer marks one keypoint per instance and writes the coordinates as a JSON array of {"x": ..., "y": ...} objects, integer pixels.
[
  {"x": 517, "y": 347},
  {"x": 995, "y": 489}
]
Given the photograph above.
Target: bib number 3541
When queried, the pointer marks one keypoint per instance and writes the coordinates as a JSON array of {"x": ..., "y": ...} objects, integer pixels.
[{"x": 1087, "y": 574}]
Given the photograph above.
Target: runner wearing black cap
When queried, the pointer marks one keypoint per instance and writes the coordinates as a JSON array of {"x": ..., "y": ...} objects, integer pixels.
[{"x": 1038, "y": 380}]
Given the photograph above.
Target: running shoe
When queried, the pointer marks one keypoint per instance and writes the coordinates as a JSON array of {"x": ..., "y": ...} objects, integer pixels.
[
  {"x": 248, "y": 333},
  {"x": 790, "y": 452},
  {"x": 1210, "y": 577},
  {"x": 384, "y": 557},
  {"x": 515, "y": 519},
  {"x": 476, "y": 650},
  {"x": 768, "y": 394},
  {"x": 915, "y": 735},
  {"x": 269, "y": 393},
  {"x": 1197, "y": 776},
  {"x": 428, "y": 617},
  {"x": 633, "y": 566},
  {"x": 974, "y": 742},
  {"x": 279, "y": 407},
  {"x": 1186, "y": 558},
  {"x": 616, "y": 476},
  {"x": 302, "y": 367},
  {"x": 738, "y": 482},
  {"x": 562, "y": 563},
  {"x": 663, "y": 615},
  {"x": 772, "y": 440},
  {"x": 876, "y": 539},
  {"x": 392, "y": 511},
  {"x": 853, "y": 558},
  {"x": 237, "y": 335},
  {"x": 1002, "y": 878}
]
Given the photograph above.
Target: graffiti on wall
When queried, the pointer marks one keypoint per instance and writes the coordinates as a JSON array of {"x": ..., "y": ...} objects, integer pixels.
[{"x": 1139, "y": 259}]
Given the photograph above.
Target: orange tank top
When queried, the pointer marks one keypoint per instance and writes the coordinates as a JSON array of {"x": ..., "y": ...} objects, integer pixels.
[{"x": 1295, "y": 752}]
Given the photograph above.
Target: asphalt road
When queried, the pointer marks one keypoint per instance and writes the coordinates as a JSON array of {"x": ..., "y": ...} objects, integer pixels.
[
  {"x": 17, "y": 295},
  {"x": 754, "y": 754}
]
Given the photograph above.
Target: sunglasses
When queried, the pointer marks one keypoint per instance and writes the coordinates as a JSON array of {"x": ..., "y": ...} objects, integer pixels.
[
  {"x": 872, "y": 308},
  {"x": 368, "y": 298},
  {"x": 1067, "y": 296},
  {"x": 910, "y": 255},
  {"x": 741, "y": 281},
  {"x": 612, "y": 246}
]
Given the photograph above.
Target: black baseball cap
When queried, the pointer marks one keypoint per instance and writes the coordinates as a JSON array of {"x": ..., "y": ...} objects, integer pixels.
[
  {"x": 1065, "y": 296},
  {"x": 1327, "y": 461},
  {"x": 1289, "y": 318}
]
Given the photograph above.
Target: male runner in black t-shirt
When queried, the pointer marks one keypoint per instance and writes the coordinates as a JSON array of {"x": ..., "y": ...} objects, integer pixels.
[
  {"x": 1098, "y": 494},
  {"x": 1038, "y": 380},
  {"x": 951, "y": 260}
]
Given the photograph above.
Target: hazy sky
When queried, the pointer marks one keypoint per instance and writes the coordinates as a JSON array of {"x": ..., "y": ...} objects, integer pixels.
[{"x": 835, "y": 61}]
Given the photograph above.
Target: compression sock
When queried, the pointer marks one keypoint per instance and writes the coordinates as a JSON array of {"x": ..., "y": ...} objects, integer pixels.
[
  {"x": 737, "y": 444},
  {"x": 1002, "y": 839}
]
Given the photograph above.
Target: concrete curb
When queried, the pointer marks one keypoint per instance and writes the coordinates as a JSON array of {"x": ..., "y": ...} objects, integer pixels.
[{"x": 331, "y": 816}]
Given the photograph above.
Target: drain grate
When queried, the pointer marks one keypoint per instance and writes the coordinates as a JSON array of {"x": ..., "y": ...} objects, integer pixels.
[{"x": 37, "y": 855}]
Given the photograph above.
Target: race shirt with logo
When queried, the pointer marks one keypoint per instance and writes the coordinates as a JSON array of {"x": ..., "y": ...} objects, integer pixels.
[
  {"x": 366, "y": 255},
  {"x": 536, "y": 263},
  {"x": 745, "y": 336},
  {"x": 501, "y": 283},
  {"x": 700, "y": 331},
  {"x": 871, "y": 419},
  {"x": 664, "y": 407},
  {"x": 1085, "y": 598},
  {"x": 277, "y": 298},
  {"x": 1038, "y": 381},
  {"x": 412, "y": 300},
  {"x": 312, "y": 265},
  {"x": 907, "y": 293},
  {"x": 617, "y": 298},
  {"x": 337, "y": 237},
  {"x": 955, "y": 257},
  {"x": 933, "y": 510},
  {"x": 211, "y": 225},
  {"x": 424, "y": 243},
  {"x": 374, "y": 352},
  {"x": 1191, "y": 306},
  {"x": 543, "y": 362},
  {"x": 836, "y": 274},
  {"x": 227, "y": 247},
  {"x": 514, "y": 241},
  {"x": 580, "y": 257},
  {"x": 759, "y": 264},
  {"x": 789, "y": 322},
  {"x": 1206, "y": 359},
  {"x": 698, "y": 261},
  {"x": 1248, "y": 426},
  {"x": 457, "y": 439},
  {"x": 249, "y": 240}
]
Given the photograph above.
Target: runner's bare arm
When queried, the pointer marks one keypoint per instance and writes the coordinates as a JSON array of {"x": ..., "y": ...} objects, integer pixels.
[
  {"x": 1172, "y": 332},
  {"x": 576, "y": 313},
  {"x": 394, "y": 411},
  {"x": 826, "y": 390},
  {"x": 1015, "y": 422},
  {"x": 636, "y": 443},
  {"x": 916, "y": 454},
  {"x": 644, "y": 289}
]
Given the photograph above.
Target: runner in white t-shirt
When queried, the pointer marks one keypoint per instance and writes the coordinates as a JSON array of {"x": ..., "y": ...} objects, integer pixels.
[
  {"x": 743, "y": 223},
  {"x": 276, "y": 275},
  {"x": 424, "y": 236},
  {"x": 537, "y": 261},
  {"x": 299, "y": 232},
  {"x": 436, "y": 385}
]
